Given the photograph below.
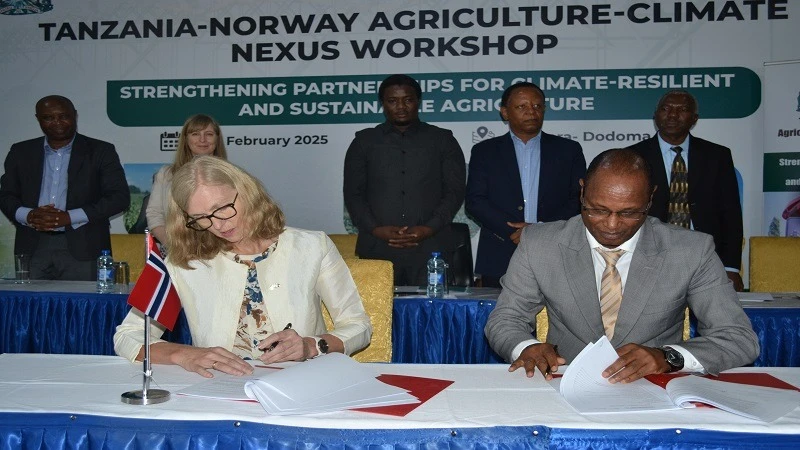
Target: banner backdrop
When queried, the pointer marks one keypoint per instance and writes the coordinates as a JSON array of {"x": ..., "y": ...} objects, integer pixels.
[
  {"x": 292, "y": 81},
  {"x": 782, "y": 149}
]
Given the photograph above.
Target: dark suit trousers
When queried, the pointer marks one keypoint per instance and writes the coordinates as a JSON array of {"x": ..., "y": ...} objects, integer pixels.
[{"x": 53, "y": 261}]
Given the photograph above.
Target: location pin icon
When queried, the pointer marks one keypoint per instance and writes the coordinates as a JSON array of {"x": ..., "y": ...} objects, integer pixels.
[{"x": 482, "y": 132}]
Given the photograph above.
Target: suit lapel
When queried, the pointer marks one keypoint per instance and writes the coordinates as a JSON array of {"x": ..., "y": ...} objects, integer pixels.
[
  {"x": 508, "y": 159},
  {"x": 35, "y": 170},
  {"x": 77, "y": 159},
  {"x": 698, "y": 165},
  {"x": 580, "y": 276},
  {"x": 547, "y": 165},
  {"x": 645, "y": 269}
]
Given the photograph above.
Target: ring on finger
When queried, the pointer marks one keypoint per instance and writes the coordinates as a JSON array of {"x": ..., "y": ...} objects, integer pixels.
[{"x": 214, "y": 365}]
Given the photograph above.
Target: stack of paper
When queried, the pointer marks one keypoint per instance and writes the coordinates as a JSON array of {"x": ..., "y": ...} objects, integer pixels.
[
  {"x": 331, "y": 382},
  {"x": 585, "y": 389}
]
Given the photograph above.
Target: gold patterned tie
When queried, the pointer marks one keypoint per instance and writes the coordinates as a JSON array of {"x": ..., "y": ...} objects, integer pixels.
[
  {"x": 610, "y": 290},
  {"x": 679, "y": 191}
]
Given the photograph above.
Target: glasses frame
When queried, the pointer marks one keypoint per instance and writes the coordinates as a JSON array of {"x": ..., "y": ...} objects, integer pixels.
[
  {"x": 191, "y": 222},
  {"x": 601, "y": 213}
]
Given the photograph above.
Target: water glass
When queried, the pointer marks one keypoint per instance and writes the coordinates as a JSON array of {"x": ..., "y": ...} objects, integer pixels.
[
  {"x": 122, "y": 274},
  {"x": 22, "y": 269}
]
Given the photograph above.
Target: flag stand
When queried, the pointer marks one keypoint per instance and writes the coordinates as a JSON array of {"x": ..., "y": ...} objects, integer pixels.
[{"x": 146, "y": 396}]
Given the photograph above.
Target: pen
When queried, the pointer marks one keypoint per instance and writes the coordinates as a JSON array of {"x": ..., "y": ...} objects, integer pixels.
[{"x": 275, "y": 344}]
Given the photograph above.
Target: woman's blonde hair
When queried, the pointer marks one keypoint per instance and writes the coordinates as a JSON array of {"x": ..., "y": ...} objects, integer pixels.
[
  {"x": 260, "y": 216},
  {"x": 197, "y": 122}
]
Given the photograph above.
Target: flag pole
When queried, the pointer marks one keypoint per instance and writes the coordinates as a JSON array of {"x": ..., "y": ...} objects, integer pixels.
[{"x": 146, "y": 396}]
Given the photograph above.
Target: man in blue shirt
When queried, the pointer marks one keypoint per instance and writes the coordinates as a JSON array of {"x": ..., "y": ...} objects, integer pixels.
[
  {"x": 59, "y": 191},
  {"x": 522, "y": 177}
]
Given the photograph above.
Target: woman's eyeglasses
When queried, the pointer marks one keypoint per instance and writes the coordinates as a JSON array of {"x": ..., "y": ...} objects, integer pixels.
[{"x": 203, "y": 223}]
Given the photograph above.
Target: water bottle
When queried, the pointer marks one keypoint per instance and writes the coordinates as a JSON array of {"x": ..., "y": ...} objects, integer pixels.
[
  {"x": 105, "y": 272},
  {"x": 437, "y": 275}
]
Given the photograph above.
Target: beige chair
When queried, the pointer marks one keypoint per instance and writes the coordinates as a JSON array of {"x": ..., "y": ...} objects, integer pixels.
[
  {"x": 774, "y": 264},
  {"x": 542, "y": 325},
  {"x": 131, "y": 249},
  {"x": 375, "y": 282},
  {"x": 346, "y": 244}
]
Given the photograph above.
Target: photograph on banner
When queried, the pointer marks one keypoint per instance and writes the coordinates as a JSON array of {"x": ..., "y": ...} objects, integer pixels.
[{"x": 140, "y": 179}]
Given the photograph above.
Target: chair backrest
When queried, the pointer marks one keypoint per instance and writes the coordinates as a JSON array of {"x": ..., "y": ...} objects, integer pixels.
[
  {"x": 460, "y": 272},
  {"x": 542, "y": 325},
  {"x": 774, "y": 264},
  {"x": 346, "y": 244},
  {"x": 375, "y": 282},
  {"x": 129, "y": 248}
]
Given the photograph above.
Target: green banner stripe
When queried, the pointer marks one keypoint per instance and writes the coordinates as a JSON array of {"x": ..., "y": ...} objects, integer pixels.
[{"x": 723, "y": 93}]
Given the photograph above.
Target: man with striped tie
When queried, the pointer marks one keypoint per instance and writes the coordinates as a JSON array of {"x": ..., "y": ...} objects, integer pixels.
[
  {"x": 696, "y": 181},
  {"x": 614, "y": 271}
]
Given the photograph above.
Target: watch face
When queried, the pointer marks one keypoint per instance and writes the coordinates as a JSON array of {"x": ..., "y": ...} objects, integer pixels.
[
  {"x": 674, "y": 358},
  {"x": 323, "y": 346}
]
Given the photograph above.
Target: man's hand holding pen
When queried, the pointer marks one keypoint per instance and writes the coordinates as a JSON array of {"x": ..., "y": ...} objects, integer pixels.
[{"x": 542, "y": 356}]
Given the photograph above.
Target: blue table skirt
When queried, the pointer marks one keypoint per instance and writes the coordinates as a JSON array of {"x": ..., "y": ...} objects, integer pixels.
[
  {"x": 451, "y": 332},
  {"x": 423, "y": 330},
  {"x": 56, "y": 431},
  {"x": 68, "y": 323}
]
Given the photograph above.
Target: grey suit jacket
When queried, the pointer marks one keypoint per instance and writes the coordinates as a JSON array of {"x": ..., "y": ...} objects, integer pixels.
[{"x": 671, "y": 268}]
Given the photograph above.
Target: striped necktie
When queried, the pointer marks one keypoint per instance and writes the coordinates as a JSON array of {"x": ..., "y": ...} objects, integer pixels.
[
  {"x": 610, "y": 290},
  {"x": 678, "y": 206}
]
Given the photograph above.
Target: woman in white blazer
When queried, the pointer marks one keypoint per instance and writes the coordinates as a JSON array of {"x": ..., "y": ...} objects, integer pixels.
[{"x": 250, "y": 287}]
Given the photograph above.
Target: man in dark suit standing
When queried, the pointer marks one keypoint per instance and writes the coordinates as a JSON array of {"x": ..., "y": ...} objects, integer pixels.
[
  {"x": 60, "y": 190},
  {"x": 677, "y": 158},
  {"x": 522, "y": 177},
  {"x": 403, "y": 184}
]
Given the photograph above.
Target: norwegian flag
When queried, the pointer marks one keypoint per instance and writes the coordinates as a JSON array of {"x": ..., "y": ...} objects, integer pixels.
[{"x": 154, "y": 293}]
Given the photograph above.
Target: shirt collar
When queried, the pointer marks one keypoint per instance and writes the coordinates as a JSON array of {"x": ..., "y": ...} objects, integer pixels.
[
  {"x": 66, "y": 149},
  {"x": 536, "y": 139},
  {"x": 667, "y": 147},
  {"x": 629, "y": 246},
  {"x": 387, "y": 128}
]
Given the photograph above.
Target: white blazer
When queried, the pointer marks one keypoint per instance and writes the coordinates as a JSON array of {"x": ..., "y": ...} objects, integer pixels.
[{"x": 305, "y": 268}]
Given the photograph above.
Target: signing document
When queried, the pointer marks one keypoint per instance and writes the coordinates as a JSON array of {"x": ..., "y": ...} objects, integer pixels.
[
  {"x": 332, "y": 382},
  {"x": 585, "y": 389}
]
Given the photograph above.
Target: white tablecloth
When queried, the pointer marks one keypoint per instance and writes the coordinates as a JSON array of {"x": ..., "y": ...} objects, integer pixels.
[{"x": 481, "y": 396}]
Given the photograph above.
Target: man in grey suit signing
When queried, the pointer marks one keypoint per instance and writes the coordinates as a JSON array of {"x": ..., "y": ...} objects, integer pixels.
[{"x": 613, "y": 271}]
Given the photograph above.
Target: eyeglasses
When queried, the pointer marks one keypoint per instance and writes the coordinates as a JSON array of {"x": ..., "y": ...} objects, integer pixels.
[
  {"x": 524, "y": 107},
  {"x": 599, "y": 213},
  {"x": 203, "y": 223}
]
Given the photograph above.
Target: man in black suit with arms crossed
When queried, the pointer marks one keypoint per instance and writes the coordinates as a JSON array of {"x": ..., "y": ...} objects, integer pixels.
[{"x": 59, "y": 191}]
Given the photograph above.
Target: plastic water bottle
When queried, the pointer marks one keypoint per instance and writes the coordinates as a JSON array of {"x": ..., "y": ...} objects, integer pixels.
[
  {"x": 437, "y": 275},
  {"x": 105, "y": 272}
]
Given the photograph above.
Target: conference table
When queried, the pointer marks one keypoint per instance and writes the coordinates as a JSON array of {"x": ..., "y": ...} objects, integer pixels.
[
  {"x": 450, "y": 329},
  {"x": 73, "y": 401}
]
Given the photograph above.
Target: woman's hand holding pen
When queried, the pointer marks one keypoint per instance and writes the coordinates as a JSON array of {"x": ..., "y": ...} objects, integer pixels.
[
  {"x": 542, "y": 356},
  {"x": 284, "y": 345}
]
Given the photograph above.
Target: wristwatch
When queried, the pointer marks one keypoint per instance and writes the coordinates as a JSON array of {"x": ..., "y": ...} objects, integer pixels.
[
  {"x": 322, "y": 346},
  {"x": 673, "y": 358}
]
